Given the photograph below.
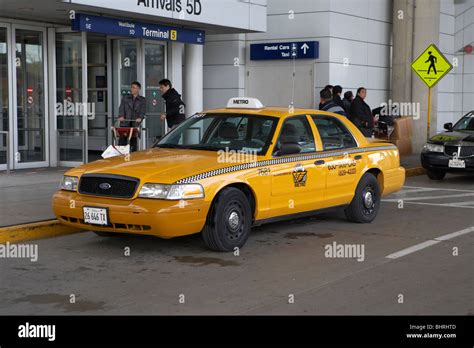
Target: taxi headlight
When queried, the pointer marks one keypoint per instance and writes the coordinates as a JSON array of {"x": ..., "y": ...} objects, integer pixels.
[
  {"x": 171, "y": 192},
  {"x": 433, "y": 148},
  {"x": 69, "y": 183}
]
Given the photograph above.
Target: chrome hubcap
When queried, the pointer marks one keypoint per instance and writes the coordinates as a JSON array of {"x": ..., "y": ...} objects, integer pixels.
[
  {"x": 368, "y": 200},
  {"x": 234, "y": 220}
]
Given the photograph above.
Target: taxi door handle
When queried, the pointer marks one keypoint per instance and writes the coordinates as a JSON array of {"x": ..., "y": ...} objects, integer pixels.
[
  {"x": 358, "y": 157},
  {"x": 318, "y": 163}
]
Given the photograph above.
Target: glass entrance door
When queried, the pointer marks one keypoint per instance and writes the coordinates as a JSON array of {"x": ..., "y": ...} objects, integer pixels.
[
  {"x": 69, "y": 99},
  {"x": 98, "y": 123},
  {"x": 145, "y": 62},
  {"x": 5, "y": 138},
  {"x": 155, "y": 63},
  {"x": 30, "y": 97}
]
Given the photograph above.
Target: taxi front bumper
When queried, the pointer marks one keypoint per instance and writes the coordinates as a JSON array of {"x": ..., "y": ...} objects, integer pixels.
[{"x": 161, "y": 218}]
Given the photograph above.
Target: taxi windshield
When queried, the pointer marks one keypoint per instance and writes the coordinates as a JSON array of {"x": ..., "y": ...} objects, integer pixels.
[
  {"x": 214, "y": 132},
  {"x": 465, "y": 123}
]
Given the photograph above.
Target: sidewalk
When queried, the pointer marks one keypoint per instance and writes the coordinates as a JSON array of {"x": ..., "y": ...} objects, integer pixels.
[{"x": 26, "y": 194}]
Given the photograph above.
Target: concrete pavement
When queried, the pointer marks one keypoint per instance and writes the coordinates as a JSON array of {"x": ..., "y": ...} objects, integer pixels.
[{"x": 281, "y": 262}]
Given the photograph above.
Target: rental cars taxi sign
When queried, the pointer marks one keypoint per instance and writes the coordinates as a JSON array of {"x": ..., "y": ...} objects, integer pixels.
[{"x": 431, "y": 66}]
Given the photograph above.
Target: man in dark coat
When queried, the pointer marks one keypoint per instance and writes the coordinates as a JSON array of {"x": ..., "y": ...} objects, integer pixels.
[
  {"x": 347, "y": 101},
  {"x": 361, "y": 114},
  {"x": 132, "y": 111},
  {"x": 336, "y": 96},
  {"x": 175, "y": 108}
]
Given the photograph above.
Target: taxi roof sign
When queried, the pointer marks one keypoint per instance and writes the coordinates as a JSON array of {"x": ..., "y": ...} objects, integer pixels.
[
  {"x": 431, "y": 66},
  {"x": 244, "y": 103}
]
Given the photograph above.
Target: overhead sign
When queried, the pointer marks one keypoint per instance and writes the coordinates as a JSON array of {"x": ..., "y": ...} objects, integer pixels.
[
  {"x": 135, "y": 29},
  {"x": 285, "y": 50},
  {"x": 242, "y": 14},
  {"x": 431, "y": 66}
]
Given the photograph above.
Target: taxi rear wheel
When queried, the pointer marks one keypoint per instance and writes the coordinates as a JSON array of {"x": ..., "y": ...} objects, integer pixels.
[
  {"x": 229, "y": 221},
  {"x": 366, "y": 202}
]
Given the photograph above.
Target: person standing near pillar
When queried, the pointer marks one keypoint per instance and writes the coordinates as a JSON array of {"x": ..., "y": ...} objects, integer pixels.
[{"x": 175, "y": 107}]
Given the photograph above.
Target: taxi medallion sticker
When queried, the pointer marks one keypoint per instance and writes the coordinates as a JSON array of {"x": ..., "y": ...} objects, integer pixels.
[{"x": 300, "y": 175}]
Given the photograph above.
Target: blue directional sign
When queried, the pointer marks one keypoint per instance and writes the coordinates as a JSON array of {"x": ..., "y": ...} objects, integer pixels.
[
  {"x": 285, "y": 50},
  {"x": 135, "y": 29}
]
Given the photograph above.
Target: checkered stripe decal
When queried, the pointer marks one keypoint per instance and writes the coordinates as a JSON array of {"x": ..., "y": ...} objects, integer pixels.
[{"x": 266, "y": 163}]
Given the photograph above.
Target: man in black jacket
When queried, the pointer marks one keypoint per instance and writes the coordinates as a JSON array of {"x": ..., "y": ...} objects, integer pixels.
[
  {"x": 347, "y": 101},
  {"x": 175, "y": 108},
  {"x": 336, "y": 95},
  {"x": 361, "y": 114}
]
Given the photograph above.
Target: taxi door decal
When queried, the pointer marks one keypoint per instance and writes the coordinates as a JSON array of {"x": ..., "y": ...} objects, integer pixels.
[{"x": 266, "y": 163}]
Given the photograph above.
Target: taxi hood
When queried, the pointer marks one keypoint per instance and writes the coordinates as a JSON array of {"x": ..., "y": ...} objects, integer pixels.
[{"x": 164, "y": 166}]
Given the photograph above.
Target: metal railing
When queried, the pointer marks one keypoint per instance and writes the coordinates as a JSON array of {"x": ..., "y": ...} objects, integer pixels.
[{"x": 8, "y": 150}]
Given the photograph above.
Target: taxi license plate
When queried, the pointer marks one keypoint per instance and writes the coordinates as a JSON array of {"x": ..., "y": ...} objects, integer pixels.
[
  {"x": 456, "y": 163},
  {"x": 95, "y": 216}
]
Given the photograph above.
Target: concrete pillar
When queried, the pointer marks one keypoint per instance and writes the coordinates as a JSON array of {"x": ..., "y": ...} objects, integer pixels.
[
  {"x": 175, "y": 65},
  {"x": 402, "y": 57},
  {"x": 193, "y": 79},
  {"x": 426, "y": 31}
]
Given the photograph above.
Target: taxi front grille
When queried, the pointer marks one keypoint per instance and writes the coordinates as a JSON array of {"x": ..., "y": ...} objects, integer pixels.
[
  {"x": 466, "y": 151},
  {"x": 108, "y": 185}
]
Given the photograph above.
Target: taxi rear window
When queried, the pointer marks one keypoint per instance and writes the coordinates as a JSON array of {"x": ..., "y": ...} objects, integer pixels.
[{"x": 213, "y": 132}]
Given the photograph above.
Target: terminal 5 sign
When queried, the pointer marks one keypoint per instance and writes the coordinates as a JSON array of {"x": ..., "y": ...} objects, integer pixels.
[{"x": 242, "y": 14}]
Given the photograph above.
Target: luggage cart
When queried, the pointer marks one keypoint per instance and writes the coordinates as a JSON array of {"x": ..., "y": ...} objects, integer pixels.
[{"x": 128, "y": 133}]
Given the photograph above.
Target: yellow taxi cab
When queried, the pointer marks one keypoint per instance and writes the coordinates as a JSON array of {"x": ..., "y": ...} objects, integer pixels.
[{"x": 223, "y": 171}]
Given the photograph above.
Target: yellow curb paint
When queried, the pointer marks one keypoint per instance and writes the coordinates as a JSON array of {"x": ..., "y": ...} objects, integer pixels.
[
  {"x": 414, "y": 171},
  {"x": 35, "y": 230}
]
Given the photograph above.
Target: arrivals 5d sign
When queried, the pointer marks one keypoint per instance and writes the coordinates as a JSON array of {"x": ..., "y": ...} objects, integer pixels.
[{"x": 241, "y": 14}]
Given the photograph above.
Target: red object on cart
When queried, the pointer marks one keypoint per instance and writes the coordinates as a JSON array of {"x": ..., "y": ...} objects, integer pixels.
[{"x": 126, "y": 132}]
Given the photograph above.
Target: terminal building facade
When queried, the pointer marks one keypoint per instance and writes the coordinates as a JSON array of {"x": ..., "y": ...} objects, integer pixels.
[{"x": 64, "y": 65}]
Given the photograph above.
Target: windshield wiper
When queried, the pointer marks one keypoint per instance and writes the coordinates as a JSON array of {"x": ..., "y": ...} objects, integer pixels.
[
  {"x": 169, "y": 146},
  {"x": 205, "y": 147}
]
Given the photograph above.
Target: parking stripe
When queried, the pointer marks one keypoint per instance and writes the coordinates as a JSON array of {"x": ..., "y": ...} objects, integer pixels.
[
  {"x": 428, "y": 197},
  {"x": 436, "y": 189},
  {"x": 444, "y": 205},
  {"x": 428, "y": 243}
]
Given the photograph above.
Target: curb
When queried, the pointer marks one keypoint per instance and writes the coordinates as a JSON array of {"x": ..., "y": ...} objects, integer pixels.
[
  {"x": 35, "y": 230},
  {"x": 415, "y": 171}
]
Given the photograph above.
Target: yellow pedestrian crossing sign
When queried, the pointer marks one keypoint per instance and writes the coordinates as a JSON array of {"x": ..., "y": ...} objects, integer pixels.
[{"x": 431, "y": 66}]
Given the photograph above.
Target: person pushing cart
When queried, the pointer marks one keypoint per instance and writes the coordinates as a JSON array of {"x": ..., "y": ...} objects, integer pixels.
[{"x": 132, "y": 111}]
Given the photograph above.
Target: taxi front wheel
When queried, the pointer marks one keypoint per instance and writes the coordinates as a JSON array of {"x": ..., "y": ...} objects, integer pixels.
[
  {"x": 229, "y": 221},
  {"x": 366, "y": 201}
]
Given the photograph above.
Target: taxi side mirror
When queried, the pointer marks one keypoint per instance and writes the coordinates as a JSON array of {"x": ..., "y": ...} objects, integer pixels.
[
  {"x": 448, "y": 126},
  {"x": 289, "y": 149}
]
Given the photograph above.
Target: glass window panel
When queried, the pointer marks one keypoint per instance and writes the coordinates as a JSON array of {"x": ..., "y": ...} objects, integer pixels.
[{"x": 30, "y": 95}]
